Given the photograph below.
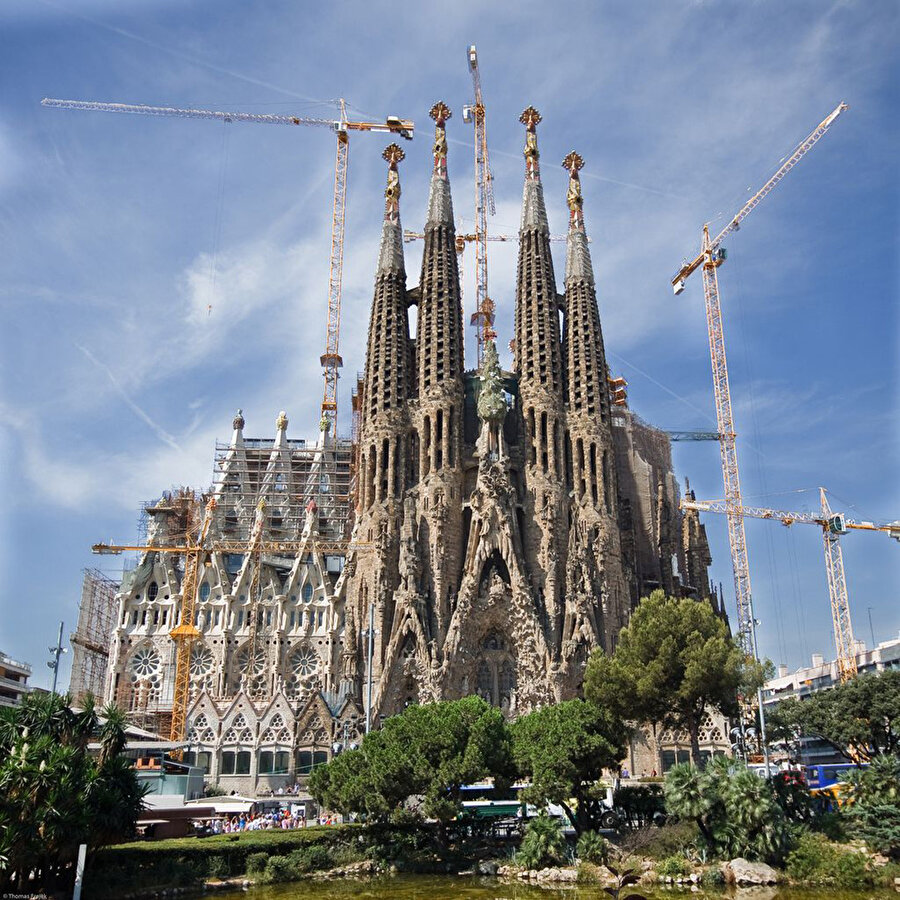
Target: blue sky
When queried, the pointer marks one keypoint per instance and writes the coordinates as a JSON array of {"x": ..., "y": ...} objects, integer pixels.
[{"x": 119, "y": 232}]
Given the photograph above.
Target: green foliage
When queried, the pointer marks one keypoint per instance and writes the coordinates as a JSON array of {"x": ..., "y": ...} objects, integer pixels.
[
  {"x": 736, "y": 810},
  {"x": 218, "y": 867},
  {"x": 55, "y": 795},
  {"x": 712, "y": 877},
  {"x": 183, "y": 861},
  {"x": 562, "y": 749},
  {"x": 426, "y": 752},
  {"x": 256, "y": 863},
  {"x": 816, "y": 860},
  {"x": 543, "y": 844},
  {"x": 639, "y": 804},
  {"x": 593, "y": 848},
  {"x": 873, "y": 810},
  {"x": 673, "y": 867},
  {"x": 657, "y": 843},
  {"x": 792, "y": 796},
  {"x": 674, "y": 660},
  {"x": 313, "y": 858},
  {"x": 279, "y": 868},
  {"x": 859, "y": 717}
]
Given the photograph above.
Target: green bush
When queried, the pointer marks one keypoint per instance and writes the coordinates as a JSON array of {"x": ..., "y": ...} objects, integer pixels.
[
  {"x": 157, "y": 865},
  {"x": 593, "y": 848},
  {"x": 672, "y": 867},
  {"x": 816, "y": 860},
  {"x": 310, "y": 859},
  {"x": 712, "y": 877},
  {"x": 256, "y": 863},
  {"x": 543, "y": 845},
  {"x": 736, "y": 811},
  {"x": 658, "y": 843},
  {"x": 218, "y": 867},
  {"x": 279, "y": 868},
  {"x": 831, "y": 824}
]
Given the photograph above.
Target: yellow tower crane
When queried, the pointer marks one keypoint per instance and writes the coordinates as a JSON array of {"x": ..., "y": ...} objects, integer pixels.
[
  {"x": 833, "y": 525},
  {"x": 710, "y": 257},
  {"x": 331, "y": 359}
]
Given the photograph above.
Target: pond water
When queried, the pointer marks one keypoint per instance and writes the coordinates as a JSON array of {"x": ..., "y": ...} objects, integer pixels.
[{"x": 427, "y": 887}]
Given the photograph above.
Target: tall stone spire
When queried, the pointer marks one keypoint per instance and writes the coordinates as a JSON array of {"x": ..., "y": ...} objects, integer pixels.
[
  {"x": 538, "y": 362},
  {"x": 439, "y": 379},
  {"x": 439, "y": 348},
  {"x": 590, "y": 454},
  {"x": 537, "y": 317},
  {"x": 586, "y": 388},
  {"x": 387, "y": 359}
]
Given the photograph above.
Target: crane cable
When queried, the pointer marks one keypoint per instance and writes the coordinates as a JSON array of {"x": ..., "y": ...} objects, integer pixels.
[{"x": 217, "y": 224}]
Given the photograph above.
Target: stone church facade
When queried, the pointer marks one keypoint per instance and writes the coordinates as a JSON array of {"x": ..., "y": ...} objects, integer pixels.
[{"x": 504, "y": 523}]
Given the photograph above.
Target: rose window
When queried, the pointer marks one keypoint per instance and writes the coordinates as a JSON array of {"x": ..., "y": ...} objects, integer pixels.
[
  {"x": 303, "y": 664},
  {"x": 144, "y": 664},
  {"x": 201, "y": 661}
]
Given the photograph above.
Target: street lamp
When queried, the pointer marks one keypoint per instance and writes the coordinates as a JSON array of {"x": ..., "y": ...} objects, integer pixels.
[{"x": 57, "y": 651}]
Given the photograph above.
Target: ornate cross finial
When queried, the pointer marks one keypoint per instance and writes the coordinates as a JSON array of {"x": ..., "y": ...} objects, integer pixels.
[
  {"x": 281, "y": 423},
  {"x": 393, "y": 154},
  {"x": 530, "y": 118},
  {"x": 238, "y": 421},
  {"x": 440, "y": 112},
  {"x": 573, "y": 163}
]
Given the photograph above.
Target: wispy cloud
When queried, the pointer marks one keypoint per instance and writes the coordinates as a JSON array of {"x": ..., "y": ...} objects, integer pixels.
[{"x": 158, "y": 430}]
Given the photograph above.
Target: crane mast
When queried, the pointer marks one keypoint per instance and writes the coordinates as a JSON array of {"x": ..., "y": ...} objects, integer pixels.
[
  {"x": 483, "y": 317},
  {"x": 833, "y": 525},
  {"x": 711, "y": 256}
]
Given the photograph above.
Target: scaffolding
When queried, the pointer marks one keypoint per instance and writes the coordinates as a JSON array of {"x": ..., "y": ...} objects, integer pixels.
[
  {"x": 92, "y": 638},
  {"x": 313, "y": 473}
]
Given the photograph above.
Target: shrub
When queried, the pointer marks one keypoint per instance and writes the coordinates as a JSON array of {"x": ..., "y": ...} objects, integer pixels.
[
  {"x": 816, "y": 860},
  {"x": 593, "y": 848},
  {"x": 256, "y": 863},
  {"x": 278, "y": 868},
  {"x": 672, "y": 867},
  {"x": 218, "y": 867},
  {"x": 543, "y": 845},
  {"x": 311, "y": 859},
  {"x": 712, "y": 877},
  {"x": 658, "y": 843},
  {"x": 735, "y": 810}
]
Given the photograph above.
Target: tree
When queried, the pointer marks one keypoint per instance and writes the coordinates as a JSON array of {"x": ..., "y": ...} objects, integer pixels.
[
  {"x": 427, "y": 752},
  {"x": 859, "y": 718},
  {"x": 55, "y": 795},
  {"x": 736, "y": 810},
  {"x": 674, "y": 661},
  {"x": 873, "y": 808},
  {"x": 563, "y": 749}
]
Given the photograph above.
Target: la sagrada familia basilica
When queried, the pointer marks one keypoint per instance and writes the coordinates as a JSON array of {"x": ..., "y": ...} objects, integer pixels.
[{"x": 482, "y": 533}]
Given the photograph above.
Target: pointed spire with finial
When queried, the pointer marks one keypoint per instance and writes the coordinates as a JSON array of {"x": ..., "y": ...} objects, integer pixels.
[
  {"x": 440, "y": 207},
  {"x": 534, "y": 211},
  {"x": 237, "y": 424},
  {"x": 390, "y": 257},
  {"x": 578, "y": 256}
]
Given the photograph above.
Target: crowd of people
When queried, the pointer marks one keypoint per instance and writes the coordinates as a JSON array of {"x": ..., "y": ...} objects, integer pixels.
[{"x": 274, "y": 819}]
